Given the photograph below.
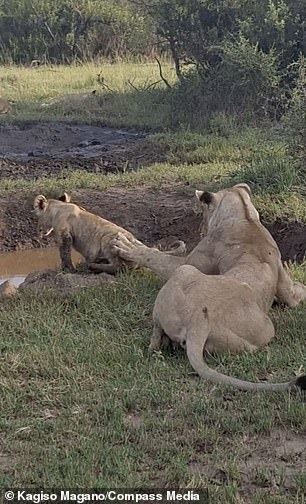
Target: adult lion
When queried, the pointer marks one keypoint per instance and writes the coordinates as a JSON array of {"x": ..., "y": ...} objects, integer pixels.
[{"x": 218, "y": 297}]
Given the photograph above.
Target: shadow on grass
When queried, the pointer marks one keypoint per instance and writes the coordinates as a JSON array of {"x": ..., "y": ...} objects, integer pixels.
[{"x": 153, "y": 109}]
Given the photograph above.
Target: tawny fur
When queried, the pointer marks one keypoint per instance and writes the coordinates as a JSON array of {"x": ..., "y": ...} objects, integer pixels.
[
  {"x": 73, "y": 99},
  {"x": 5, "y": 106},
  {"x": 218, "y": 298}
]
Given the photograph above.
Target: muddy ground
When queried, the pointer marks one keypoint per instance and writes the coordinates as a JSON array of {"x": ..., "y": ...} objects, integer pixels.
[
  {"x": 150, "y": 214},
  {"x": 270, "y": 462},
  {"x": 30, "y": 151},
  {"x": 156, "y": 217},
  {"x": 33, "y": 150}
]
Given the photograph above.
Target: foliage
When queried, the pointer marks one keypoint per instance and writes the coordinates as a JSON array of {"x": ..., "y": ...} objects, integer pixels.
[
  {"x": 197, "y": 30},
  {"x": 295, "y": 117},
  {"x": 229, "y": 56},
  {"x": 242, "y": 50},
  {"x": 245, "y": 79},
  {"x": 65, "y": 30}
]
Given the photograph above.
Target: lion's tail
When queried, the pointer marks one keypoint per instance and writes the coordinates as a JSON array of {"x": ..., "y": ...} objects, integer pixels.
[
  {"x": 180, "y": 249},
  {"x": 195, "y": 346}
]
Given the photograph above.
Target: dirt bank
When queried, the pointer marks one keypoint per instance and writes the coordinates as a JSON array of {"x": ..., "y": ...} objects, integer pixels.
[
  {"x": 33, "y": 150},
  {"x": 152, "y": 215}
]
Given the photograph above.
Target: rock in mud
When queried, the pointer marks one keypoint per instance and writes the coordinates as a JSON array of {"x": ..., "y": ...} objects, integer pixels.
[
  {"x": 7, "y": 289},
  {"x": 63, "y": 282}
]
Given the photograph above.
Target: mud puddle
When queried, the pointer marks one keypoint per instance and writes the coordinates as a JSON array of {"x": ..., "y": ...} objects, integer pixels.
[
  {"x": 15, "y": 266},
  {"x": 60, "y": 141},
  {"x": 30, "y": 151}
]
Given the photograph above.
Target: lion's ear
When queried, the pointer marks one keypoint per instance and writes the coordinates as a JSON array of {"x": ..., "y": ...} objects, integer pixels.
[
  {"x": 199, "y": 194},
  {"x": 244, "y": 186},
  {"x": 40, "y": 203},
  {"x": 65, "y": 198},
  {"x": 205, "y": 197}
]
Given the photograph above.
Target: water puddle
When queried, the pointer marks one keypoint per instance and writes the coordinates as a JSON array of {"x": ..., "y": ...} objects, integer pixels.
[{"x": 15, "y": 266}]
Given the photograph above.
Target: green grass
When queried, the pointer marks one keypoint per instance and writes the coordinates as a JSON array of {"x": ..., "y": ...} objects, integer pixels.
[
  {"x": 81, "y": 405},
  {"x": 118, "y": 104}
]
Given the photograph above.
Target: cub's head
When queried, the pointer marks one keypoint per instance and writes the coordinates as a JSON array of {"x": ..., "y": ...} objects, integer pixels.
[
  {"x": 233, "y": 202},
  {"x": 45, "y": 210},
  {"x": 42, "y": 211},
  {"x": 40, "y": 205}
]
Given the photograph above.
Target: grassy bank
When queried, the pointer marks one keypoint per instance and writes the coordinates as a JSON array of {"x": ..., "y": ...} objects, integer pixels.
[{"x": 81, "y": 405}]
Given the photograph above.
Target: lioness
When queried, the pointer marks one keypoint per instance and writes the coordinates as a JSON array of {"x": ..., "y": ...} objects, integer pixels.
[
  {"x": 5, "y": 106},
  {"x": 75, "y": 98},
  {"x": 218, "y": 297},
  {"x": 88, "y": 234}
]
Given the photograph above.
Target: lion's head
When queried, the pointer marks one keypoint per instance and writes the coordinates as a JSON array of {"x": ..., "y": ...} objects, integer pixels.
[
  {"x": 44, "y": 210},
  {"x": 233, "y": 202}
]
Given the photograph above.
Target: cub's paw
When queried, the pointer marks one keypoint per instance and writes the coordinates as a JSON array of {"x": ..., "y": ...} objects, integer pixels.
[{"x": 68, "y": 269}]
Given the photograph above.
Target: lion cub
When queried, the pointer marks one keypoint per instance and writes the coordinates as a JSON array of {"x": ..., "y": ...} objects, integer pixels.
[
  {"x": 88, "y": 234},
  {"x": 5, "y": 106}
]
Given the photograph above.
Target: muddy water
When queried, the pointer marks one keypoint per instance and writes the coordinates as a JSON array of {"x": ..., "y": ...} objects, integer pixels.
[{"x": 15, "y": 266}]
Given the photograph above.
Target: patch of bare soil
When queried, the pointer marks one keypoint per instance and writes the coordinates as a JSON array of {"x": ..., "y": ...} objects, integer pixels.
[
  {"x": 154, "y": 216},
  {"x": 133, "y": 420},
  {"x": 273, "y": 463},
  {"x": 6, "y": 463},
  {"x": 269, "y": 462},
  {"x": 291, "y": 239},
  {"x": 30, "y": 151}
]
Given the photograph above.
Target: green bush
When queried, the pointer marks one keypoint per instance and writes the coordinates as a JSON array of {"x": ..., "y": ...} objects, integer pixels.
[
  {"x": 65, "y": 30},
  {"x": 242, "y": 50},
  {"x": 243, "y": 83},
  {"x": 295, "y": 117}
]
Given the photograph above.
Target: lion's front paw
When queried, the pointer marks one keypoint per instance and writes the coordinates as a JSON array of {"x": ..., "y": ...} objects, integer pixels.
[
  {"x": 126, "y": 248},
  {"x": 151, "y": 351},
  {"x": 299, "y": 292},
  {"x": 154, "y": 351}
]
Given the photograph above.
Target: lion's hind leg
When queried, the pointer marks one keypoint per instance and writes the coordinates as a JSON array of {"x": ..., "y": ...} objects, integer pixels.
[
  {"x": 161, "y": 341},
  {"x": 252, "y": 331},
  {"x": 228, "y": 341},
  {"x": 289, "y": 292}
]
